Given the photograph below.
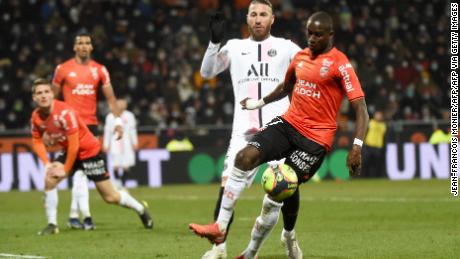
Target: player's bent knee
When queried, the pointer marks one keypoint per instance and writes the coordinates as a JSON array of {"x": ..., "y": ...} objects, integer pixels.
[{"x": 248, "y": 158}]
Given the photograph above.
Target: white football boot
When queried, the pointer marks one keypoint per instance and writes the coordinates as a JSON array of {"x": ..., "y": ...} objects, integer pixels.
[
  {"x": 289, "y": 241},
  {"x": 216, "y": 253}
]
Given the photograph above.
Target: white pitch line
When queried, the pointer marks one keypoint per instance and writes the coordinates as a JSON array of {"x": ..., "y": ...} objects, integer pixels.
[{"x": 20, "y": 256}]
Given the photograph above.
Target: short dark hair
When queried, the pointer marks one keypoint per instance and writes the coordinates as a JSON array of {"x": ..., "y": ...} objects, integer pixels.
[
  {"x": 40, "y": 81},
  {"x": 81, "y": 34},
  {"x": 265, "y": 2}
]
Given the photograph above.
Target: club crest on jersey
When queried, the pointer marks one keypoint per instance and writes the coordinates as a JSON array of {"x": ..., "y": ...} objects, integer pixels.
[
  {"x": 93, "y": 71},
  {"x": 56, "y": 121},
  {"x": 271, "y": 52},
  {"x": 325, "y": 67}
]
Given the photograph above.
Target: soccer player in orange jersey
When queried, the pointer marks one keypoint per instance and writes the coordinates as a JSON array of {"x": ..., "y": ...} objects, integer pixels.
[
  {"x": 79, "y": 79},
  {"x": 318, "y": 78},
  {"x": 82, "y": 151}
]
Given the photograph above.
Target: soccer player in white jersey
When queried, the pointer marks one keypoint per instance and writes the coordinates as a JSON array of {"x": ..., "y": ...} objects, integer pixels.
[
  {"x": 257, "y": 66},
  {"x": 121, "y": 151}
]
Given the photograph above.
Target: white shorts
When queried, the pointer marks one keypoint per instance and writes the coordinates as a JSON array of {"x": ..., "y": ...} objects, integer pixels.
[
  {"x": 236, "y": 144},
  {"x": 123, "y": 160}
]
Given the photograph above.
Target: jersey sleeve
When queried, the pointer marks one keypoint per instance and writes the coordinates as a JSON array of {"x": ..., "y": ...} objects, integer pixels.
[
  {"x": 293, "y": 49},
  {"x": 58, "y": 76},
  {"x": 215, "y": 61},
  {"x": 105, "y": 76},
  {"x": 348, "y": 79},
  {"x": 34, "y": 127},
  {"x": 289, "y": 78}
]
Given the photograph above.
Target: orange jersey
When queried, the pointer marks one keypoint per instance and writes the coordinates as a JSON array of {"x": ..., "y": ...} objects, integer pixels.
[
  {"x": 61, "y": 123},
  {"x": 319, "y": 87},
  {"x": 79, "y": 83}
]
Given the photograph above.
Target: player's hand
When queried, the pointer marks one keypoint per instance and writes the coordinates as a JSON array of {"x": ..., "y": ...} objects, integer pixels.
[
  {"x": 55, "y": 170},
  {"x": 251, "y": 104},
  {"x": 118, "y": 131},
  {"x": 354, "y": 161},
  {"x": 217, "y": 27}
]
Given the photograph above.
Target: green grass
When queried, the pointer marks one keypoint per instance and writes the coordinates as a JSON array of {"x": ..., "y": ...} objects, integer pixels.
[{"x": 354, "y": 219}]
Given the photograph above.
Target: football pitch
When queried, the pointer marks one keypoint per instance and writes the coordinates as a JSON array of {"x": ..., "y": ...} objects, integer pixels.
[{"x": 353, "y": 219}]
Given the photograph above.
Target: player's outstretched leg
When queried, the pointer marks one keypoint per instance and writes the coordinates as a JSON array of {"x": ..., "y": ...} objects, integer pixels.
[
  {"x": 122, "y": 198},
  {"x": 215, "y": 232},
  {"x": 288, "y": 236},
  {"x": 263, "y": 226},
  {"x": 247, "y": 159},
  {"x": 219, "y": 251}
]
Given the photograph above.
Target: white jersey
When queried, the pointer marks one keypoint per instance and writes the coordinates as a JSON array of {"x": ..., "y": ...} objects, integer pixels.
[
  {"x": 256, "y": 68},
  {"x": 121, "y": 151}
]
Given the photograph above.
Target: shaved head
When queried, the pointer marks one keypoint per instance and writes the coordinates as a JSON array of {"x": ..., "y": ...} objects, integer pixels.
[
  {"x": 320, "y": 32},
  {"x": 322, "y": 20}
]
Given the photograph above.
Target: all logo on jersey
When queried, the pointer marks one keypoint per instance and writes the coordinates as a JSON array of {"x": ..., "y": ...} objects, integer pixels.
[
  {"x": 272, "y": 52},
  {"x": 72, "y": 74},
  {"x": 260, "y": 70}
]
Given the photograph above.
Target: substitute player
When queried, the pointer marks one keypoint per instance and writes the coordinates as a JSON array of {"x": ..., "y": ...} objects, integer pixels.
[
  {"x": 79, "y": 79},
  {"x": 257, "y": 65},
  {"x": 82, "y": 152},
  {"x": 121, "y": 151},
  {"x": 318, "y": 79}
]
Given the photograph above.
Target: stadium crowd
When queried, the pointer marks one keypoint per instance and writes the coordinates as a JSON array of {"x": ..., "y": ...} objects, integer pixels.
[{"x": 153, "y": 51}]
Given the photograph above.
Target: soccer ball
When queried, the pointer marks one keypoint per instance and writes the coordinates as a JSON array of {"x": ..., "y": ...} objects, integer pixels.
[{"x": 279, "y": 182}]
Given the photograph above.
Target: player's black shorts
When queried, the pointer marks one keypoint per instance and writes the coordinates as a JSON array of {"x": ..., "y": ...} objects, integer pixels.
[
  {"x": 280, "y": 140},
  {"x": 94, "y": 167},
  {"x": 93, "y": 129}
]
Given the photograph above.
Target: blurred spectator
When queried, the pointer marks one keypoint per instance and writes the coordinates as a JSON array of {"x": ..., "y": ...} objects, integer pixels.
[
  {"x": 439, "y": 136},
  {"x": 178, "y": 141},
  {"x": 374, "y": 147}
]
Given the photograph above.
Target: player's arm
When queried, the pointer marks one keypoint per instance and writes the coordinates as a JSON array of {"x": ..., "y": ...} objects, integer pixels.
[
  {"x": 72, "y": 151},
  {"x": 281, "y": 91},
  {"x": 40, "y": 150},
  {"x": 133, "y": 132},
  {"x": 215, "y": 61},
  {"x": 362, "y": 121},
  {"x": 109, "y": 94},
  {"x": 107, "y": 133},
  {"x": 58, "y": 80},
  {"x": 107, "y": 89}
]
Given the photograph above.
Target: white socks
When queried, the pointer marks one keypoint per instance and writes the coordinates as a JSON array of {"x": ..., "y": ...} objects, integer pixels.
[
  {"x": 233, "y": 189},
  {"x": 264, "y": 224},
  {"x": 128, "y": 201},
  {"x": 51, "y": 203},
  {"x": 80, "y": 195}
]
